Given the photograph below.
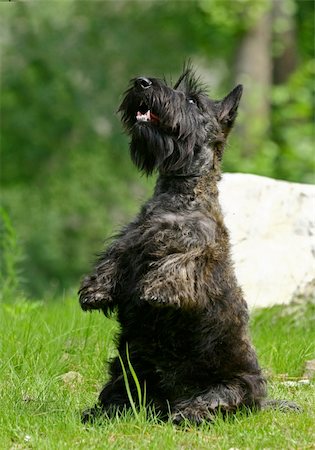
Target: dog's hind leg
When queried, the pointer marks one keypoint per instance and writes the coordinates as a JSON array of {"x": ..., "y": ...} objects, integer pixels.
[
  {"x": 113, "y": 400},
  {"x": 225, "y": 397},
  {"x": 280, "y": 405},
  {"x": 119, "y": 394}
]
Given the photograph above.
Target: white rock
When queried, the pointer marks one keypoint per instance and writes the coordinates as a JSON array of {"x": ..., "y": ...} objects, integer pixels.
[{"x": 272, "y": 230}]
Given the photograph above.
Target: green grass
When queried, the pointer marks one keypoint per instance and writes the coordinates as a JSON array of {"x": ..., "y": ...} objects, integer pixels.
[{"x": 40, "y": 410}]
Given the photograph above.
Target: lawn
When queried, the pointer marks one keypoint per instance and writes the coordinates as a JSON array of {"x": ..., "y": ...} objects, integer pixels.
[{"x": 53, "y": 357}]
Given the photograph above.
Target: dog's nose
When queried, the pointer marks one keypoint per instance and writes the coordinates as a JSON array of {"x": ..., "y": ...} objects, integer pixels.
[{"x": 143, "y": 82}]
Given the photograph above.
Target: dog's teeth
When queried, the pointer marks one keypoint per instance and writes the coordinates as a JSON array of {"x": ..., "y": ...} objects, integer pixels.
[{"x": 143, "y": 117}]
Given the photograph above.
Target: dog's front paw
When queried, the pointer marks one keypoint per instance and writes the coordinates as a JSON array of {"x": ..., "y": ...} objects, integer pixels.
[
  {"x": 93, "y": 294},
  {"x": 159, "y": 294}
]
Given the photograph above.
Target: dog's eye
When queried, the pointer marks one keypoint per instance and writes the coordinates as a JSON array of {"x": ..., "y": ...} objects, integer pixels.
[{"x": 190, "y": 100}]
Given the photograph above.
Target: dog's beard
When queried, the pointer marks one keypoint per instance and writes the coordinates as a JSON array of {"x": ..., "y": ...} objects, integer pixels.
[
  {"x": 152, "y": 149},
  {"x": 163, "y": 135}
]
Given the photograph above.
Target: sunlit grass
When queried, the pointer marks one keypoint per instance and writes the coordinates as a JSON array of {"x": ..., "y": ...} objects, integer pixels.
[{"x": 40, "y": 408}]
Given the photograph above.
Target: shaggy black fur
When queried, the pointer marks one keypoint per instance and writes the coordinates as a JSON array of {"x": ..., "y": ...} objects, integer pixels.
[{"x": 169, "y": 273}]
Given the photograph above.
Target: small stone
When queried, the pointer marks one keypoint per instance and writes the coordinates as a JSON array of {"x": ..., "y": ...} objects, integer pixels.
[
  {"x": 71, "y": 379},
  {"x": 309, "y": 369},
  {"x": 296, "y": 383}
]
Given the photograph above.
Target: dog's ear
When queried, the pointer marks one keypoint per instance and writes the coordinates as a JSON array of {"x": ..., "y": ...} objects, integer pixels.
[
  {"x": 227, "y": 109},
  {"x": 182, "y": 77}
]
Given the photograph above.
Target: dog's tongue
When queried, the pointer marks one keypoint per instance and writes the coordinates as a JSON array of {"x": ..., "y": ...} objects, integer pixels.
[
  {"x": 147, "y": 117},
  {"x": 154, "y": 118}
]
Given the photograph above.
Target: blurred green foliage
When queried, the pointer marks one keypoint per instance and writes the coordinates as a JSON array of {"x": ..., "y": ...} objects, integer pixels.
[
  {"x": 67, "y": 181},
  {"x": 10, "y": 259},
  {"x": 288, "y": 151}
]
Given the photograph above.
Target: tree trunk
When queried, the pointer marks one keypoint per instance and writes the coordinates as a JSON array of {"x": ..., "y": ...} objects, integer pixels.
[
  {"x": 285, "y": 51},
  {"x": 254, "y": 70}
]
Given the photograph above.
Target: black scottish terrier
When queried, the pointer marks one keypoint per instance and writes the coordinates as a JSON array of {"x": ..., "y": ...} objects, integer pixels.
[{"x": 169, "y": 272}]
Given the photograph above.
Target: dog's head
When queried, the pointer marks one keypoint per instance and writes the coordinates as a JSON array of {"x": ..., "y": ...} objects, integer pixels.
[{"x": 169, "y": 126}]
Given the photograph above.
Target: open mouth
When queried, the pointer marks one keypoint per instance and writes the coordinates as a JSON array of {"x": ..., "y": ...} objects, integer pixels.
[{"x": 146, "y": 115}]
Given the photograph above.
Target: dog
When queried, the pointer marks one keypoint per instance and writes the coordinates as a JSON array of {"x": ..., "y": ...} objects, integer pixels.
[{"x": 169, "y": 273}]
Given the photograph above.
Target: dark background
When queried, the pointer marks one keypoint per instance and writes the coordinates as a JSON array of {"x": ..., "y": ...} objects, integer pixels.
[{"x": 67, "y": 182}]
